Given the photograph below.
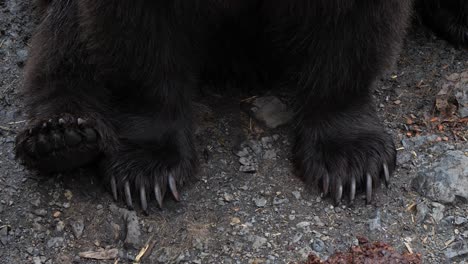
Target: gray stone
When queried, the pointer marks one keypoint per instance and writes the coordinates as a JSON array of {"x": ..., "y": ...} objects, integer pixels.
[
  {"x": 77, "y": 228},
  {"x": 133, "y": 235},
  {"x": 4, "y": 235},
  {"x": 60, "y": 226},
  {"x": 461, "y": 94},
  {"x": 260, "y": 202},
  {"x": 258, "y": 242},
  {"x": 318, "y": 245},
  {"x": 422, "y": 211},
  {"x": 437, "y": 211},
  {"x": 40, "y": 212},
  {"x": 460, "y": 220},
  {"x": 303, "y": 224},
  {"x": 269, "y": 154},
  {"x": 55, "y": 242},
  {"x": 457, "y": 249},
  {"x": 375, "y": 223},
  {"x": 271, "y": 111},
  {"x": 418, "y": 141},
  {"x": 446, "y": 179},
  {"x": 296, "y": 194}
]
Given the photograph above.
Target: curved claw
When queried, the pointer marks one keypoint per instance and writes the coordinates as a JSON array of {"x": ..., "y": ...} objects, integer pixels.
[
  {"x": 339, "y": 192},
  {"x": 128, "y": 195},
  {"x": 143, "y": 202},
  {"x": 173, "y": 187},
  {"x": 114, "y": 188},
  {"x": 368, "y": 188},
  {"x": 158, "y": 194},
  {"x": 326, "y": 184},
  {"x": 352, "y": 190},
  {"x": 80, "y": 121},
  {"x": 386, "y": 174}
]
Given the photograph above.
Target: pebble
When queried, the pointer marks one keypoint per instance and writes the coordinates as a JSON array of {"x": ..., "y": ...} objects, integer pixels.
[
  {"x": 60, "y": 226},
  {"x": 260, "y": 202},
  {"x": 40, "y": 212},
  {"x": 375, "y": 223},
  {"x": 318, "y": 245},
  {"x": 228, "y": 197},
  {"x": 296, "y": 194},
  {"x": 77, "y": 228},
  {"x": 437, "y": 211},
  {"x": 460, "y": 220},
  {"x": 55, "y": 242},
  {"x": 271, "y": 111},
  {"x": 258, "y": 242},
  {"x": 422, "y": 211},
  {"x": 446, "y": 180},
  {"x": 303, "y": 224}
]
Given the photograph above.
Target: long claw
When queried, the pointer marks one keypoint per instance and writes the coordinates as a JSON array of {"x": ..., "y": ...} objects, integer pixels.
[
  {"x": 339, "y": 192},
  {"x": 80, "y": 121},
  {"x": 352, "y": 190},
  {"x": 128, "y": 195},
  {"x": 386, "y": 174},
  {"x": 158, "y": 194},
  {"x": 368, "y": 188},
  {"x": 173, "y": 187},
  {"x": 114, "y": 188},
  {"x": 144, "y": 203},
  {"x": 326, "y": 183}
]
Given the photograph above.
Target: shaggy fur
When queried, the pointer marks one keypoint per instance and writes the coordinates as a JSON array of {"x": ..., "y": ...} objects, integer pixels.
[
  {"x": 110, "y": 82},
  {"x": 447, "y": 18}
]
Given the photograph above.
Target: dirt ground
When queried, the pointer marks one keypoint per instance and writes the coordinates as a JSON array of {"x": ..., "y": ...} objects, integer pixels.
[{"x": 229, "y": 216}]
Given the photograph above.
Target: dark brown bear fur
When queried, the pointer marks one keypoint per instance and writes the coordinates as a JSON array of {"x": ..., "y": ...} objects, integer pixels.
[
  {"x": 110, "y": 82},
  {"x": 447, "y": 18}
]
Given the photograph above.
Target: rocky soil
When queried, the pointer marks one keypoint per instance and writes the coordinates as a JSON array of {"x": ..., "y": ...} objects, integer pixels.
[{"x": 247, "y": 207}]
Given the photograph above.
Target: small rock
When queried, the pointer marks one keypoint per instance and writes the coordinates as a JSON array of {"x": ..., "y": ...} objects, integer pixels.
[
  {"x": 460, "y": 220},
  {"x": 422, "y": 211},
  {"x": 245, "y": 161},
  {"x": 278, "y": 201},
  {"x": 318, "y": 245},
  {"x": 242, "y": 153},
  {"x": 133, "y": 235},
  {"x": 40, "y": 212},
  {"x": 260, "y": 202},
  {"x": 446, "y": 180},
  {"x": 77, "y": 228},
  {"x": 457, "y": 249},
  {"x": 235, "y": 221},
  {"x": 248, "y": 168},
  {"x": 271, "y": 111},
  {"x": 375, "y": 223},
  {"x": 437, "y": 211},
  {"x": 55, "y": 242},
  {"x": 22, "y": 56},
  {"x": 303, "y": 224},
  {"x": 228, "y": 197},
  {"x": 297, "y": 237},
  {"x": 296, "y": 194},
  {"x": 259, "y": 242},
  {"x": 318, "y": 222},
  {"x": 60, "y": 226},
  {"x": 4, "y": 235},
  {"x": 269, "y": 154}
]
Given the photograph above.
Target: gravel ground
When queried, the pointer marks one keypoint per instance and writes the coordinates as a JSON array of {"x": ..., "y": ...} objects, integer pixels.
[{"x": 247, "y": 207}]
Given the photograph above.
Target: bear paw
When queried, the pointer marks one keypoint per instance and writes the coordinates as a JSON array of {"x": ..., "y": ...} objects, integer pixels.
[
  {"x": 59, "y": 144},
  {"x": 346, "y": 159},
  {"x": 149, "y": 174}
]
